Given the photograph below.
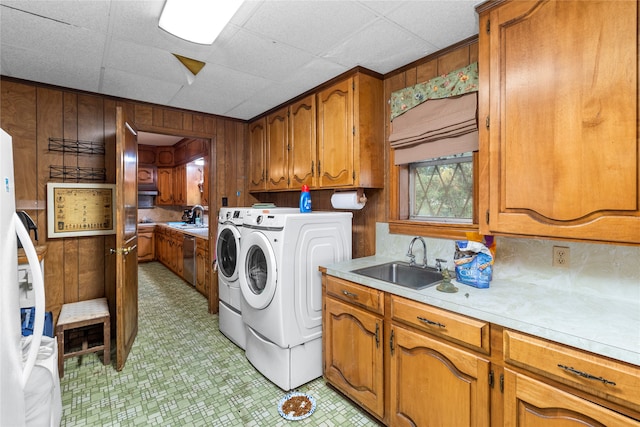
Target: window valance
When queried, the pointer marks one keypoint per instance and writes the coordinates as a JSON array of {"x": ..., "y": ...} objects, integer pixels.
[
  {"x": 455, "y": 83},
  {"x": 440, "y": 127}
]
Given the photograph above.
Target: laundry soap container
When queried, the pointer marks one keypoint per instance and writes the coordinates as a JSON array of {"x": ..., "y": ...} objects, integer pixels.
[{"x": 305, "y": 199}]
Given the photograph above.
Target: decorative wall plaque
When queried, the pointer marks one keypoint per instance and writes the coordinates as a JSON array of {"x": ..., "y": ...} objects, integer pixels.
[{"x": 80, "y": 209}]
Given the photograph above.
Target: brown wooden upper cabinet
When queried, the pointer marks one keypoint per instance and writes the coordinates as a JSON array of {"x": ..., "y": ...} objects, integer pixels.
[
  {"x": 351, "y": 133},
  {"x": 291, "y": 146},
  {"x": 330, "y": 139},
  {"x": 559, "y": 147},
  {"x": 257, "y": 157}
]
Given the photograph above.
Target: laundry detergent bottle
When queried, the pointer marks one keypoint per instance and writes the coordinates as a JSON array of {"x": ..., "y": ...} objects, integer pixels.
[{"x": 305, "y": 199}]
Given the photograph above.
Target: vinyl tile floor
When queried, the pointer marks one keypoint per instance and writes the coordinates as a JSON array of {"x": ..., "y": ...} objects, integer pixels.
[{"x": 182, "y": 371}]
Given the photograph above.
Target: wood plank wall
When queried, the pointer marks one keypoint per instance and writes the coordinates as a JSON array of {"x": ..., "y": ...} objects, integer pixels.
[{"x": 81, "y": 268}]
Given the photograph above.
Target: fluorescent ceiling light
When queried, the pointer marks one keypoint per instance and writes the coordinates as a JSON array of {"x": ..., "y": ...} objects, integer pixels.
[{"x": 198, "y": 21}]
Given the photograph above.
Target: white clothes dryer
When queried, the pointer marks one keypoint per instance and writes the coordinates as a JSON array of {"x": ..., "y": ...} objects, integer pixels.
[
  {"x": 227, "y": 256},
  {"x": 282, "y": 289}
]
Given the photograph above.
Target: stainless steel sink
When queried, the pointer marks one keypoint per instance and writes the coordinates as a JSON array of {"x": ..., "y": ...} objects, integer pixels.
[{"x": 403, "y": 274}]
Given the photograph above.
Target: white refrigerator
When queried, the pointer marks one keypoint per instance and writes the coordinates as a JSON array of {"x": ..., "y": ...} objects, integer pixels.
[{"x": 29, "y": 383}]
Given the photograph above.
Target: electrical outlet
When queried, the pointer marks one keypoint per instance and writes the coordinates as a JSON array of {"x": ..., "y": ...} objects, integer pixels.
[{"x": 561, "y": 255}]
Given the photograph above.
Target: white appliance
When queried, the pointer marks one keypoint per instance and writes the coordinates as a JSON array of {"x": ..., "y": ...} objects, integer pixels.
[
  {"x": 227, "y": 255},
  {"x": 282, "y": 289},
  {"x": 29, "y": 383}
]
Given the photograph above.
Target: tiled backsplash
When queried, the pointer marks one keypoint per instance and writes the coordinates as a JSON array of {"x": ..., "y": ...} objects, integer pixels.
[{"x": 611, "y": 271}]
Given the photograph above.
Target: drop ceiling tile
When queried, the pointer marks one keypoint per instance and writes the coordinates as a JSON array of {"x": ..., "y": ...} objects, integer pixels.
[
  {"x": 312, "y": 26},
  {"x": 255, "y": 55},
  {"x": 144, "y": 60},
  {"x": 300, "y": 81},
  {"x": 138, "y": 87},
  {"x": 441, "y": 22},
  {"x": 219, "y": 89},
  {"x": 391, "y": 45},
  {"x": 91, "y": 15},
  {"x": 50, "y": 68}
]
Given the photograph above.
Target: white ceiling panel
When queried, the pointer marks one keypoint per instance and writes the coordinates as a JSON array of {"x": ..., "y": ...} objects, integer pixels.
[
  {"x": 313, "y": 26},
  {"x": 135, "y": 86},
  {"x": 219, "y": 90},
  {"x": 272, "y": 51}
]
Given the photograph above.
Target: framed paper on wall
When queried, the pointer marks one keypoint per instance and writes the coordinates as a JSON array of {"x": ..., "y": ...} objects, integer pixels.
[{"x": 80, "y": 209}]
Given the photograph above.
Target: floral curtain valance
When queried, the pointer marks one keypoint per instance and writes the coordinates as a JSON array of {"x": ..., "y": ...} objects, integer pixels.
[{"x": 458, "y": 82}]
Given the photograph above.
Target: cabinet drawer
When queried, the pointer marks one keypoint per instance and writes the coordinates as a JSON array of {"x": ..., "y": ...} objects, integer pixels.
[
  {"x": 600, "y": 376},
  {"x": 360, "y": 295},
  {"x": 460, "y": 329}
]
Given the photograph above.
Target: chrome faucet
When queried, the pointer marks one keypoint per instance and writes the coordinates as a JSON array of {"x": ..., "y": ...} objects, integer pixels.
[
  {"x": 412, "y": 257},
  {"x": 194, "y": 216}
]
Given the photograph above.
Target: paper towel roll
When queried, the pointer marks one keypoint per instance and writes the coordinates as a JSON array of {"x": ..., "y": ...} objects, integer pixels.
[{"x": 348, "y": 200}]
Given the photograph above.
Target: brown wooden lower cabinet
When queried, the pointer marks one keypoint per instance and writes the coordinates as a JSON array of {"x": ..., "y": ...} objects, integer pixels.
[
  {"x": 435, "y": 383},
  {"x": 353, "y": 354},
  {"x": 202, "y": 266},
  {"x": 146, "y": 244},
  {"x": 459, "y": 371},
  {"x": 169, "y": 251},
  {"x": 532, "y": 403}
]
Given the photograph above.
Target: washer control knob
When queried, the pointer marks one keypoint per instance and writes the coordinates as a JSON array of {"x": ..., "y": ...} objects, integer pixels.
[{"x": 259, "y": 219}]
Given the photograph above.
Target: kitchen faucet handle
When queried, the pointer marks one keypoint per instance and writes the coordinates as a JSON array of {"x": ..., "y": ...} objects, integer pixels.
[{"x": 439, "y": 262}]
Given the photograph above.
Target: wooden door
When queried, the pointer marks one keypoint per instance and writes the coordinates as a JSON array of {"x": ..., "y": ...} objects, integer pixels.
[
  {"x": 531, "y": 403},
  {"x": 257, "y": 141},
  {"x": 278, "y": 150},
  {"x": 302, "y": 143},
  {"x": 563, "y": 148},
  {"x": 435, "y": 383},
  {"x": 336, "y": 135},
  {"x": 353, "y": 354},
  {"x": 126, "y": 251}
]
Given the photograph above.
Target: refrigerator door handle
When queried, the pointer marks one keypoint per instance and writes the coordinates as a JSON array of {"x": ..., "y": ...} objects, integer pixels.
[{"x": 38, "y": 290}]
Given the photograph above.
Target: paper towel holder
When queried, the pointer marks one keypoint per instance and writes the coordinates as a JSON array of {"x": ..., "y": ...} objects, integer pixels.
[{"x": 358, "y": 202}]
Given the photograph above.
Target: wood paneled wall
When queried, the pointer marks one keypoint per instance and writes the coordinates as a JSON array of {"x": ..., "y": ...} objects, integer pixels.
[{"x": 81, "y": 268}]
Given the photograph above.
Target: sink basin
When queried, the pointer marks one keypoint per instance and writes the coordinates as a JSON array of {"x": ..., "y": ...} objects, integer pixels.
[{"x": 403, "y": 274}]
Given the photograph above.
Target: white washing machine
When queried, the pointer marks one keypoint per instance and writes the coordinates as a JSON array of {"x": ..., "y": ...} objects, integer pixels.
[
  {"x": 282, "y": 289},
  {"x": 227, "y": 257}
]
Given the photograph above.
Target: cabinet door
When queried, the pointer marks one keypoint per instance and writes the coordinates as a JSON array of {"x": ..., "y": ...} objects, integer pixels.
[
  {"x": 435, "y": 383},
  {"x": 531, "y": 403},
  {"x": 302, "y": 143},
  {"x": 563, "y": 148},
  {"x": 146, "y": 249},
  {"x": 165, "y": 186},
  {"x": 336, "y": 135},
  {"x": 277, "y": 150},
  {"x": 257, "y": 157},
  {"x": 353, "y": 354},
  {"x": 179, "y": 180},
  {"x": 146, "y": 177}
]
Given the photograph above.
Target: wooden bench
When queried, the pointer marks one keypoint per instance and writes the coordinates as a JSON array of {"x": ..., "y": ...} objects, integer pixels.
[{"x": 78, "y": 315}]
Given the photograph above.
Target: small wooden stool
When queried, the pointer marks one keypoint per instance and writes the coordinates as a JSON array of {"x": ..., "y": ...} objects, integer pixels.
[{"x": 80, "y": 314}]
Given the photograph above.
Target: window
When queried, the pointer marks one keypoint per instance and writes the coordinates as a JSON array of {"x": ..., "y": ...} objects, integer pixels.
[{"x": 441, "y": 190}]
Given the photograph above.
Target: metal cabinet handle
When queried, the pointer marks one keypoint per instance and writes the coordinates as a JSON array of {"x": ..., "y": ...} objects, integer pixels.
[
  {"x": 586, "y": 375},
  {"x": 430, "y": 322},
  {"x": 349, "y": 294}
]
